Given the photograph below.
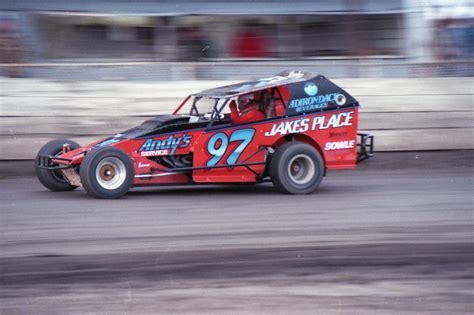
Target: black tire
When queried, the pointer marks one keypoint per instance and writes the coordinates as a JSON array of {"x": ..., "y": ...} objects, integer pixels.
[
  {"x": 54, "y": 179},
  {"x": 296, "y": 168},
  {"x": 107, "y": 173}
]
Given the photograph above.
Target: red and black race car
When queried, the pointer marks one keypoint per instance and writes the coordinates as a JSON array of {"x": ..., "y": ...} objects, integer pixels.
[{"x": 287, "y": 129}]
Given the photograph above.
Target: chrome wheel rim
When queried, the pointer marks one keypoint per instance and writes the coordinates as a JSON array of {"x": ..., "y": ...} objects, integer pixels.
[
  {"x": 301, "y": 169},
  {"x": 110, "y": 173}
]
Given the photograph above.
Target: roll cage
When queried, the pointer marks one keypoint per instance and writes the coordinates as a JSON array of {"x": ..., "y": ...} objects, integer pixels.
[{"x": 220, "y": 103}]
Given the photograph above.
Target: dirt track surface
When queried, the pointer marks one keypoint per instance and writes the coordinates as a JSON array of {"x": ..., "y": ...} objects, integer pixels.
[{"x": 394, "y": 236}]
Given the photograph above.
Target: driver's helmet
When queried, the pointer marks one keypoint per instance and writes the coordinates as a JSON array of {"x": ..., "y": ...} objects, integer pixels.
[{"x": 245, "y": 101}]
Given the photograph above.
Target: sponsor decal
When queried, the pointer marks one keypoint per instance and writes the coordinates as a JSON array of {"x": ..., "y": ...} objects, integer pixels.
[
  {"x": 335, "y": 134},
  {"x": 166, "y": 146},
  {"x": 338, "y": 145},
  {"x": 334, "y": 121},
  {"x": 304, "y": 124},
  {"x": 286, "y": 127},
  {"x": 313, "y": 101},
  {"x": 340, "y": 99},
  {"x": 310, "y": 89},
  {"x": 155, "y": 153},
  {"x": 141, "y": 165},
  {"x": 307, "y": 104}
]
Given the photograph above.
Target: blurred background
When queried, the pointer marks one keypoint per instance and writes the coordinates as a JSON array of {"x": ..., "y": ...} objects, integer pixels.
[
  {"x": 131, "y": 59},
  {"x": 182, "y": 40}
]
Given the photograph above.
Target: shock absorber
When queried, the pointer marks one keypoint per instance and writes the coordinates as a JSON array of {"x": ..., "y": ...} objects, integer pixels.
[{"x": 66, "y": 147}]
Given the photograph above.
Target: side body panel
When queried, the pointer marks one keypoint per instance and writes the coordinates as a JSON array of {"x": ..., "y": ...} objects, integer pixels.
[
  {"x": 234, "y": 145},
  {"x": 147, "y": 151},
  {"x": 334, "y": 133}
]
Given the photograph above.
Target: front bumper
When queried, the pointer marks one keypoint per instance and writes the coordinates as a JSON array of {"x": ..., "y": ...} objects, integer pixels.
[{"x": 46, "y": 161}]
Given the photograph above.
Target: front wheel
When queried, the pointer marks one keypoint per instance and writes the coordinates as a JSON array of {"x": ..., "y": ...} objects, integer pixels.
[
  {"x": 107, "y": 173},
  {"x": 296, "y": 168},
  {"x": 54, "y": 179}
]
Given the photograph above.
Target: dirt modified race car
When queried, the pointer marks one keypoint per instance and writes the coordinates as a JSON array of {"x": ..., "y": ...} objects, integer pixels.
[{"x": 287, "y": 129}]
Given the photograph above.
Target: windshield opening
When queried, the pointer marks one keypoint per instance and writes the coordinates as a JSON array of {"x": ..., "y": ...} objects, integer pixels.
[{"x": 202, "y": 108}]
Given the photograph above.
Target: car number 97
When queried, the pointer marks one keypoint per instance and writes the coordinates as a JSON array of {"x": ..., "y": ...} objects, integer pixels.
[{"x": 219, "y": 143}]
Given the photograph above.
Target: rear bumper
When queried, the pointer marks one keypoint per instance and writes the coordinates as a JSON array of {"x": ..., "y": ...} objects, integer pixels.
[{"x": 365, "y": 146}]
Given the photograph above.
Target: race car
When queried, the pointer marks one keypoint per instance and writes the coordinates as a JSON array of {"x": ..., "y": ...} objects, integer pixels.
[{"x": 288, "y": 129}]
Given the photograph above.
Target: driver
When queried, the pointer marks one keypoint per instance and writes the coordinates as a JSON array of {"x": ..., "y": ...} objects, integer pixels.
[
  {"x": 247, "y": 103},
  {"x": 249, "y": 108}
]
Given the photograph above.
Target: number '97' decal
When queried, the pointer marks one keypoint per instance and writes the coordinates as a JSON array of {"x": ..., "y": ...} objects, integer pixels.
[{"x": 219, "y": 142}]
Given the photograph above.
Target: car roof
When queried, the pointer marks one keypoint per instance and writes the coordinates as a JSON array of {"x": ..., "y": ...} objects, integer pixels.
[{"x": 283, "y": 78}]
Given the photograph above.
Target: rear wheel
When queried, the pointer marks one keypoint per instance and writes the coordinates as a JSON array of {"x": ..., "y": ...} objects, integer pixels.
[
  {"x": 296, "y": 168},
  {"x": 107, "y": 173}
]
